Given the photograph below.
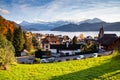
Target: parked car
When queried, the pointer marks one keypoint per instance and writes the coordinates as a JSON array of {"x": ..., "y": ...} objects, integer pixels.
[
  {"x": 80, "y": 57},
  {"x": 51, "y": 59},
  {"x": 44, "y": 61},
  {"x": 56, "y": 55},
  {"x": 95, "y": 55},
  {"x": 47, "y": 60}
]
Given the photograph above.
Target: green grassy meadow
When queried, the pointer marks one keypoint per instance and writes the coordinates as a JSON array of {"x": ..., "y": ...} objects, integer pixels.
[{"x": 101, "y": 68}]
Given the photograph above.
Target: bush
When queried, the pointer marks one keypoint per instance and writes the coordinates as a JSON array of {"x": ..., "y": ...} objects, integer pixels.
[
  {"x": 47, "y": 53},
  {"x": 37, "y": 60},
  {"x": 31, "y": 52},
  {"x": 39, "y": 53},
  {"x": 6, "y": 52},
  {"x": 59, "y": 60},
  {"x": 74, "y": 58},
  {"x": 67, "y": 59}
]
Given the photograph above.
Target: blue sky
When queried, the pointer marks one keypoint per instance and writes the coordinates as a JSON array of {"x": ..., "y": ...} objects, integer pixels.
[{"x": 53, "y": 10}]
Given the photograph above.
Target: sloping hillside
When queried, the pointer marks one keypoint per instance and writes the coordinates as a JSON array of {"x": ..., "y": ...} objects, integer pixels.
[
  {"x": 101, "y": 68},
  {"x": 5, "y": 25}
]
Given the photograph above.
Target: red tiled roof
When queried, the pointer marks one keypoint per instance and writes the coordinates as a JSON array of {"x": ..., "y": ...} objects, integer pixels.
[{"x": 50, "y": 39}]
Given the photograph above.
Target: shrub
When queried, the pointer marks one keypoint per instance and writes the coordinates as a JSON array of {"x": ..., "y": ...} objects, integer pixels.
[
  {"x": 31, "y": 52},
  {"x": 47, "y": 53},
  {"x": 99, "y": 55},
  {"x": 39, "y": 53},
  {"x": 37, "y": 60},
  {"x": 74, "y": 58},
  {"x": 6, "y": 52},
  {"x": 59, "y": 61},
  {"x": 67, "y": 59}
]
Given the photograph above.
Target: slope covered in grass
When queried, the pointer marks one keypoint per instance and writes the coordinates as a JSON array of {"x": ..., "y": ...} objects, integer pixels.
[{"x": 106, "y": 67}]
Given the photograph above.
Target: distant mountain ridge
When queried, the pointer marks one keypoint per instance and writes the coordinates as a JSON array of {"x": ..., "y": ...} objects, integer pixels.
[
  {"x": 85, "y": 25},
  {"x": 42, "y": 25},
  {"x": 89, "y": 27},
  {"x": 51, "y": 25},
  {"x": 94, "y": 20}
]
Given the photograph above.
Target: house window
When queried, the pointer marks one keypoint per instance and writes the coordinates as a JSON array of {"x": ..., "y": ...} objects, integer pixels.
[{"x": 46, "y": 46}]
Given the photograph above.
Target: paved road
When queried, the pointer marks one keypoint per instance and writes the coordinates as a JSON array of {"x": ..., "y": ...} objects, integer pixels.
[
  {"x": 85, "y": 56},
  {"x": 29, "y": 59},
  {"x": 25, "y": 59}
]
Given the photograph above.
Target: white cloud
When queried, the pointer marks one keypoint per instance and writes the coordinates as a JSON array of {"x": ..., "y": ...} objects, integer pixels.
[
  {"x": 3, "y": 11},
  {"x": 74, "y": 10}
]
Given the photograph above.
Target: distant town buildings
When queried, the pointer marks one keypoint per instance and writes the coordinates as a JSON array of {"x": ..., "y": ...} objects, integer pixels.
[{"x": 59, "y": 43}]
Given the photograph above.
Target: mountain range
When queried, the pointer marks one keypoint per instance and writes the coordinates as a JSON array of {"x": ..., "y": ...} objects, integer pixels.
[
  {"x": 86, "y": 25},
  {"x": 89, "y": 27},
  {"x": 42, "y": 25}
]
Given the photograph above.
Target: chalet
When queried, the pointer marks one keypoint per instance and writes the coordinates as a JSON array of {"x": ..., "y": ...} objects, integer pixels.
[{"x": 49, "y": 40}]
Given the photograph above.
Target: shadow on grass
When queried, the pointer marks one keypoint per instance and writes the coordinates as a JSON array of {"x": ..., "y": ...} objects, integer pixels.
[{"x": 94, "y": 72}]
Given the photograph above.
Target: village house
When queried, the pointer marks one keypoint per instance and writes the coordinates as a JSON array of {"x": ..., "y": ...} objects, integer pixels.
[
  {"x": 65, "y": 49},
  {"x": 49, "y": 40},
  {"x": 117, "y": 44},
  {"x": 66, "y": 39}
]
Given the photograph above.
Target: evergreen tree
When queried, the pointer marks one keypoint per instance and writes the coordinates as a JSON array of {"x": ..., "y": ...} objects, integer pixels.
[
  {"x": 9, "y": 35},
  {"x": 74, "y": 40},
  {"x": 28, "y": 41},
  {"x": 18, "y": 40},
  {"x": 35, "y": 42}
]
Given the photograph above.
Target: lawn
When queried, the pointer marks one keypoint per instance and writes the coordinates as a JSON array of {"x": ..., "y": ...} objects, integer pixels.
[{"x": 101, "y": 68}]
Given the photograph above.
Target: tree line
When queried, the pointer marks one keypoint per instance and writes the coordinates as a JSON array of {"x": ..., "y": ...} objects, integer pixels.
[{"x": 12, "y": 42}]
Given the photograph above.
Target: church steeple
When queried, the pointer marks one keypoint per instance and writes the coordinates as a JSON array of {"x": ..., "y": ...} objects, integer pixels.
[{"x": 101, "y": 32}]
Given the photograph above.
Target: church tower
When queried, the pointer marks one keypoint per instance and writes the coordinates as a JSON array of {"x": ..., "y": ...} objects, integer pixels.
[{"x": 101, "y": 32}]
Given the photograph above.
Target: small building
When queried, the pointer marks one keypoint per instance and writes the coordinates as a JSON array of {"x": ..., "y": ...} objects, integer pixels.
[
  {"x": 117, "y": 44},
  {"x": 66, "y": 48},
  {"x": 24, "y": 52},
  {"x": 49, "y": 40}
]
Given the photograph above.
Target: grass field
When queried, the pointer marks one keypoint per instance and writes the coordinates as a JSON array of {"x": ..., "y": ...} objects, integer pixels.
[{"x": 101, "y": 68}]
